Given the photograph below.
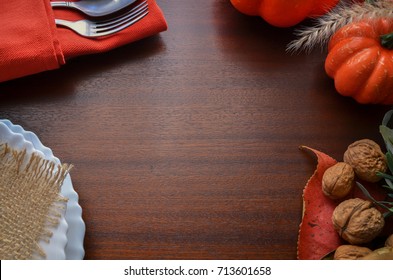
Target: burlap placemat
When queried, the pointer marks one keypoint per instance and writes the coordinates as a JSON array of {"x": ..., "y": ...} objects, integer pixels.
[{"x": 30, "y": 202}]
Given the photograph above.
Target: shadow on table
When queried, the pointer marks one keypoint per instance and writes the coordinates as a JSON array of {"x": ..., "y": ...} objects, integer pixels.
[
  {"x": 251, "y": 41},
  {"x": 60, "y": 83}
]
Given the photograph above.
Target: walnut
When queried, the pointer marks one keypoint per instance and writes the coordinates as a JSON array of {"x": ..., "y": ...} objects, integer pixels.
[
  {"x": 338, "y": 180},
  {"x": 351, "y": 252},
  {"x": 366, "y": 158},
  {"x": 389, "y": 241},
  {"x": 357, "y": 221},
  {"x": 384, "y": 253}
]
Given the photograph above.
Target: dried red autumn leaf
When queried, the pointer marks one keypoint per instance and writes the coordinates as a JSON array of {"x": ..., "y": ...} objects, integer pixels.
[{"x": 317, "y": 236}]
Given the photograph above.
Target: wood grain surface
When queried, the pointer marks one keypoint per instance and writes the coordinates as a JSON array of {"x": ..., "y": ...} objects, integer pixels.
[{"x": 185, "y": 144}]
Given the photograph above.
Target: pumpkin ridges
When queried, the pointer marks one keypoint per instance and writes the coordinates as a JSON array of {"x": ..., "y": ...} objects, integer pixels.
[
  {"x": 389, "y": 84},
  {"x": 339, "y": 55},
  {"x": 352, "y": 76},
  {"x": 364, "y": 75},
  {"x": 351, "y": 32},
  {"x": 379, "y": 82},
  {"x": 383, "y": 26}
]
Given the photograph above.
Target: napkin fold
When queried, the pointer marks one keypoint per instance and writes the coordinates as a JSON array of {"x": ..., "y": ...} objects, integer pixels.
[{"x": 30, "y": 42}]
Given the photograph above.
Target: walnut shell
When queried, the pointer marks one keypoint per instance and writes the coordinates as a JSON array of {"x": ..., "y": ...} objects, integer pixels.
[
  {"x": 357, "y": 221},
  {"x": 338, "y": 180},
  {"x": 366, "y": 158},
  {"x": 384, "y": 253},
  {"x": 351, "y": 252},
  {"x": 389, "y": 241}
]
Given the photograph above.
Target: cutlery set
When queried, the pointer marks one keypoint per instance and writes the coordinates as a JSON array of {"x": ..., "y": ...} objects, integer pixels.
[{"x": 102, "y": 8}]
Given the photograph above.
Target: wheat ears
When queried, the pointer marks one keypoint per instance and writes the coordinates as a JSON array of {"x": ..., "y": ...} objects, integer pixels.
[{"x": 345, "y": 12}]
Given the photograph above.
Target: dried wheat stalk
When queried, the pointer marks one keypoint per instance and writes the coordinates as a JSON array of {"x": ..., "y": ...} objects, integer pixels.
[{"x": 344, "y": 13}]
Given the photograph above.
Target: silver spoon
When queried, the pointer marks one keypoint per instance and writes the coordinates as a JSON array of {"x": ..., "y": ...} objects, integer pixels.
[{"x": 95, "y": 8}]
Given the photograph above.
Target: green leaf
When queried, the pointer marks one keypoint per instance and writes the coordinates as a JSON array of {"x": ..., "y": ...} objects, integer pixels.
[
  {"x": 387, "y": 187},
  {"x": 386, "y": 132},
  {"x": 387, "y": 118},
  {"x": 368, "y": 195},
  {"x": 388, "y": 214},
  {"x": 385, "y": 176},
  {"x": 390, "y": 184},
  {"x": 389, "y": 159},
  {"x": 386, "y": 202},
  {"x": 387, "y": 135}
]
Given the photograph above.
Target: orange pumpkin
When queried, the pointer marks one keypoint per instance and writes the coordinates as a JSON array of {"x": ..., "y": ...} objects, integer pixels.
[
  {"x": 360, "y": 60},
  {"x": 284, "y": 13}
]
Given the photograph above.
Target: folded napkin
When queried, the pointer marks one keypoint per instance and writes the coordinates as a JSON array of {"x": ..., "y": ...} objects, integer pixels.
[
  {"x": 30, "y": 202},
  {"x": 31, "y": 42}
]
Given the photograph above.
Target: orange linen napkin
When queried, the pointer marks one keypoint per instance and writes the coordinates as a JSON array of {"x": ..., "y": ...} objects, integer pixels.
[{"x": 30, "y": 42}]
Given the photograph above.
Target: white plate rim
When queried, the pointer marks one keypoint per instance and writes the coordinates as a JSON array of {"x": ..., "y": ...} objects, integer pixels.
[
  {"x": 55, "y": 248},
  {"x": 74, "y": 249}
]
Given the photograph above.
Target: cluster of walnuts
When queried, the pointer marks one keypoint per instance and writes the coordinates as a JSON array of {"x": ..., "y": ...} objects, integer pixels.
[{"x": 357, "y": 221}]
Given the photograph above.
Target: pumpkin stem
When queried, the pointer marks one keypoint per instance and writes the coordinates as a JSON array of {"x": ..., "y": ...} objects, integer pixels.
[{"x": 387, "y": 41}]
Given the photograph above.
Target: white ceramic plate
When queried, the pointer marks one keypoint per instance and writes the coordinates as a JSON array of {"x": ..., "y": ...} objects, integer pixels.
[
  {"x": 73, "y": 217},
  {"x": 55, "y": 248}
]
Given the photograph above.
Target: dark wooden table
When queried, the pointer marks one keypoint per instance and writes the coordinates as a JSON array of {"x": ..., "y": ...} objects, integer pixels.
[{"x": 185, "y": 144}]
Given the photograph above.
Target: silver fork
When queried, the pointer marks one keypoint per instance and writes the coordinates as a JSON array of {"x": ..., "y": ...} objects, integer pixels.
[{"x": 88, "y": 28}]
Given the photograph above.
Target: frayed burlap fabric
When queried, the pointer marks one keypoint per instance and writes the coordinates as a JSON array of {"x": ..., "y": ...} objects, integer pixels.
[{"x": 30, "y": 202}]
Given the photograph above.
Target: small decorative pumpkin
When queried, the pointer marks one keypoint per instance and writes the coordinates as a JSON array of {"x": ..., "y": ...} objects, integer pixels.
[
  {"x": 360, "y": 60},
  {"x": 284, "y": 13}
]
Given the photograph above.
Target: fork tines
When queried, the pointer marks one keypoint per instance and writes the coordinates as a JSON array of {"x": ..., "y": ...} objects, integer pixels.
[
  {"x": 98, "y": 28},
  {"x": 122, "y": 21}
]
